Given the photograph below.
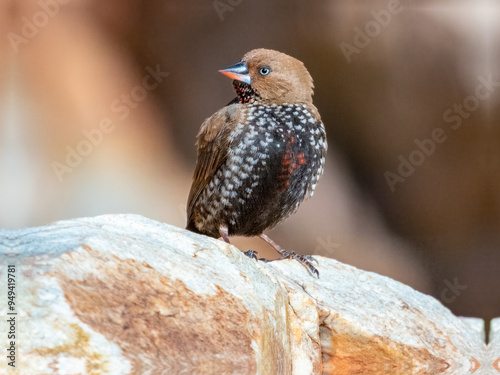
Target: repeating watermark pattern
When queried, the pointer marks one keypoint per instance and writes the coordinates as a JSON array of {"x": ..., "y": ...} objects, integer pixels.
[
  {"x": 459, "y": 111},
  {"x": 454, "y": 115},
  {"x": 120, "y": 107},
  {"x": 372, "y": 29},
  {"x": 326, "y": 245},
  {"x": 416, "y": 158},
  {"x": 30, "y": 27},
  {"x": 223, "y": 6},
  {"x": 452, "y": 290}
]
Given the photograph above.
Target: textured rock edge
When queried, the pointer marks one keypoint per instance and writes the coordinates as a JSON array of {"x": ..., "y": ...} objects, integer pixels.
[{"x": 332, "y": 317}]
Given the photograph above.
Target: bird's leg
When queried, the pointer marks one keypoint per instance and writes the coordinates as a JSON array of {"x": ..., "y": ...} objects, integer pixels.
[
  {"x": 224, "y": 233},
  {"x": 283, "y": 253},
  {"x": 306, "y": 260}
]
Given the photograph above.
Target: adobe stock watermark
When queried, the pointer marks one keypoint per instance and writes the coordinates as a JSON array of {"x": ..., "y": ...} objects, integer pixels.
[
  {"x": 224, "y": 6},
  {"x": 372, "y": 29},
  {"x": 30, "y": 27},
  {"x": 454, "y": 115},
  {"x": 452, "y": 290},
  {"x": 120, "y": 107},
  {"x": 327, "y": 245}
]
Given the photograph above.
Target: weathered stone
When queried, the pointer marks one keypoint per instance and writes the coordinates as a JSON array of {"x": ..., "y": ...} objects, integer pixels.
[
  {"x": 494, "y": 348},
  {"x": 121, "y": 294}
]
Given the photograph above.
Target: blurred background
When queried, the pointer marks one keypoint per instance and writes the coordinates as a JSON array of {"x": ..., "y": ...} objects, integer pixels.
[{"x": 101, "y": 102}]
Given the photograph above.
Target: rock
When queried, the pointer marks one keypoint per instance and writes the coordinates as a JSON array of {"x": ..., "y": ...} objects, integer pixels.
[
  {"x": 494, "y": 347},
  {"x": 121, "y": 294}
]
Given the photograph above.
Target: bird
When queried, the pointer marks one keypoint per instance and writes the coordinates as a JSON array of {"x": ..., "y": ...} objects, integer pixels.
[{"x": 260, "y": 156}]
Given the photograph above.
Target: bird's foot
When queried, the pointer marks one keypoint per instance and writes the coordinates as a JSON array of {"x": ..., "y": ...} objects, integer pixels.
[
  {"x": 306, "y": 260},
  {"x": 255, "y": 255},
  {"x": 252, "y": 254}
]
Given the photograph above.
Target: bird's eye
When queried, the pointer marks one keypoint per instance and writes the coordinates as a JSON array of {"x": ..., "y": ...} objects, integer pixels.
[{"x": 265, "y": 70}]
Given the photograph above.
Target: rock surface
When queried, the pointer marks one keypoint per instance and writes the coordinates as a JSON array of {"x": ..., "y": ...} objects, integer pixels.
[
  {"x": 493, "y": 349},
  {"x": 121, "y": 294}
]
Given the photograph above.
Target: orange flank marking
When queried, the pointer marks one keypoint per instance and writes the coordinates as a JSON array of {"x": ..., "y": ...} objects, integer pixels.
[
  {"x": 287, "y": 159},
  {"x": 301, "y": 160},
  {"x": 290, "y": 162}
]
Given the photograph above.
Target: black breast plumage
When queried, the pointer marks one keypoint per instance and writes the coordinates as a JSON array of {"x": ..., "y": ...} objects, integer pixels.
[{"x": 275, "y": 157}]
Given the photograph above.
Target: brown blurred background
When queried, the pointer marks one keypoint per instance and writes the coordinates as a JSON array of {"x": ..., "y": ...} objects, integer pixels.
[{"x": 387, "y": 75}]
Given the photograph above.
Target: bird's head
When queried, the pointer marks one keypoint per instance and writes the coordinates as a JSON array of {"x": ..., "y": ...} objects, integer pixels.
[{"x": 270, "y": 77}]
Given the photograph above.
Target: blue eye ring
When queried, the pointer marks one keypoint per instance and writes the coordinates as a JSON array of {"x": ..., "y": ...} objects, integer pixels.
[{"x": 265, "y": 70}]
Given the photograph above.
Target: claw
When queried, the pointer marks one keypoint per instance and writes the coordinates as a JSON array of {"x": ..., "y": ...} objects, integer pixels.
[
  {"x": 315, "y": 271},
  {"x": 254, "y": 255},
  {"x": 306, "y": 260},
  {"x": 251, "y": 254},
  {"x": 266, "y": 260},
  {"x": 312, "y": 259}
]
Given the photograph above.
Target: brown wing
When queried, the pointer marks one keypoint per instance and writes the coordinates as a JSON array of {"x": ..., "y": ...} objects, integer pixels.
[{"x": 213, "y": 145}]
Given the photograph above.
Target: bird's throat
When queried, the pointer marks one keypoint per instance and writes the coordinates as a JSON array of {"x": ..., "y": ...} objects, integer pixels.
[{"x": 245, "y": 92}]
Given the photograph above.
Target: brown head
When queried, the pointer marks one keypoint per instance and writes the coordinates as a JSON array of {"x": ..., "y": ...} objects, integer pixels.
[{"x": 271, "y": 77}]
